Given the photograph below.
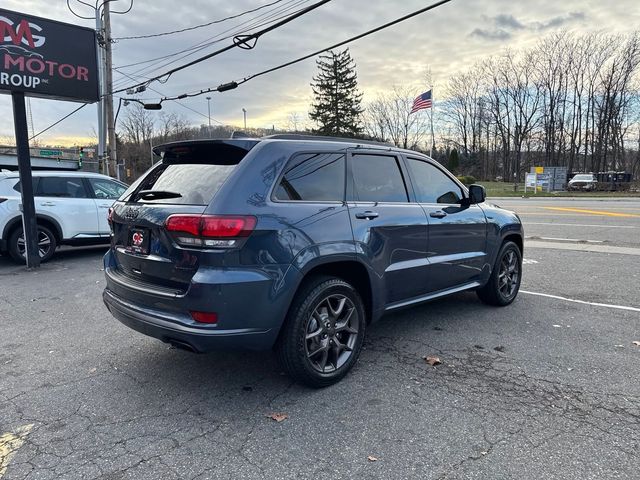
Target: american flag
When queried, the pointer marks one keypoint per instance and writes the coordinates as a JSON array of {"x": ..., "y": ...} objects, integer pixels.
[{"x": 421, "y": 102}]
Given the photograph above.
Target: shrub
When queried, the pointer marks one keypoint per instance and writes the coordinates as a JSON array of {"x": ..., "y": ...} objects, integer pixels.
[{"x": 467, "y": 179}]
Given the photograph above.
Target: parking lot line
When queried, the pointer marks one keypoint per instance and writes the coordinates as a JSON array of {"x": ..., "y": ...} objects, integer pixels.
[
  {"x": 10, "y": 443},
  {"x": 592, "y": 212},
  {"x": 578, "y": 225},
  {"x": 572, "y": 240},
  {"x": 582, "y": 247},
  {"x": 584, "y": 302}
]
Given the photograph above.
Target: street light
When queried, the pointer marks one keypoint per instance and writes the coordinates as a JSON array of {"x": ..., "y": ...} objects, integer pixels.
[
  {"x": 209, "y": 111},
  {"x": 244, "y": 112}
]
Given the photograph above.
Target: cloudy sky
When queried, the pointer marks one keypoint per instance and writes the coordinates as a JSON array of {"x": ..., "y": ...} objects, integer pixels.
[{"x": 445, "y": 40}]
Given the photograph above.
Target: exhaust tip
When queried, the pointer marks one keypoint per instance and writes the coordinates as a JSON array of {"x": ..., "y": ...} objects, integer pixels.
[{"x": 179, "y": 344}]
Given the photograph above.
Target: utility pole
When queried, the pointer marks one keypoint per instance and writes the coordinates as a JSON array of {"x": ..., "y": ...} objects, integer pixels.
[
  {"x": 101, "y": 89},
  {"x": 112, "y": 157},
  {"x": 433, "y": 139},
  {"x": 244, "y": 112},
  {"x": 209, "y": 112}
]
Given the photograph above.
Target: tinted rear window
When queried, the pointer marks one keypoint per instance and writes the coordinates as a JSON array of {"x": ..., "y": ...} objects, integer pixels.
[
  {"x": 65, "y": 187},
  {"x": 196, "y": 183},
  {"x": 315, "y": 177},
  {"x": 377, "y": 178}
]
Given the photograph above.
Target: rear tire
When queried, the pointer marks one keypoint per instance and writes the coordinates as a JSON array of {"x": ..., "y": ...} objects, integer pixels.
[
  {"x": 46, "y": 244},
  {"x": 323, "y": 333},
  {"x": 504, "y": 283}
]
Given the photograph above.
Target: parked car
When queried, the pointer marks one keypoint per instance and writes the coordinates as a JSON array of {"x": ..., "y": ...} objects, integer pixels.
[
  {"x": 299, "y": 243},
  {"x": 583, "y": 181},
  {"x": 71, "y": 209}
]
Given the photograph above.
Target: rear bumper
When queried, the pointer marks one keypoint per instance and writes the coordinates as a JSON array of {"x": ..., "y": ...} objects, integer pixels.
[
  {"x": 172, "y": 329},
  {"x": 251, "y": 305}
]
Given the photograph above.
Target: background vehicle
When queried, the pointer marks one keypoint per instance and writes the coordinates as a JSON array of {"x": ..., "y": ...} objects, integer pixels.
[
  {"x": 583, "y": 181},
  {"x": 299, "y": 243},
  {"x": 71, "y": 209}
]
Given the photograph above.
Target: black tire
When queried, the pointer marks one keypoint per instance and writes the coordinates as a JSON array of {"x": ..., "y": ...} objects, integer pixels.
[
  {"x": 327, "y": 314},
  {"x": 504, "y": 283},
  {"x": 47, "y": 244}
]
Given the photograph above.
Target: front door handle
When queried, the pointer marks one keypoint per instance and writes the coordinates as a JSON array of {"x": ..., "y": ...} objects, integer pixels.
[
  {"x": 48, "y": 204},
  {"x": 367, "y": 215},
  {"x": 438, "y": 214}
]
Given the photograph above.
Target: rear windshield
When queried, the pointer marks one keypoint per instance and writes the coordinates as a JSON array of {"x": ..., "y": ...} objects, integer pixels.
[
  {"x": 190, "y": 174},
  {"x": 193, "y": 183}
]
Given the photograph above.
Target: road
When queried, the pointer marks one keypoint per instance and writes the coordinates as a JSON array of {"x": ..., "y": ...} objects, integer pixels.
[{"x": 545, "y": 388}]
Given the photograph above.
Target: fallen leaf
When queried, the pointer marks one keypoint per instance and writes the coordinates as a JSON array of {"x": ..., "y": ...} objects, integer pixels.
[
  {"x": 431, "y": 360},
  {"x": 557, "y": 326},
  {"x": 636, "y": 343},
  {"x": 371, "y": 458},
  {"x": 93, "y": 370},
  {"x": 278, "y": 417}
]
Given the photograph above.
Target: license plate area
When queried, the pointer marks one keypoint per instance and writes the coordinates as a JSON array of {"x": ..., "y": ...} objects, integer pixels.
[{"x": 138, "y": 241}]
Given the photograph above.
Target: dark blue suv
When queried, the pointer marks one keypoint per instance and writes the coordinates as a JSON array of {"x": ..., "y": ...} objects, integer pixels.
[{"x": 299, "y": 243}]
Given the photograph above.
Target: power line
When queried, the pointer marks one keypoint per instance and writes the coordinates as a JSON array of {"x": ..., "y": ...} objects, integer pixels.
[
  {"x": 59, "y": 121},
  {"x": 257, "y": 22},
  {"x": 240, "y": 41},
  {"x": 198, "y": 26},
  {"x": 176, "y": 101},
  {"x": 234, "y": 84},
  {"x": 269, "y": 16}
]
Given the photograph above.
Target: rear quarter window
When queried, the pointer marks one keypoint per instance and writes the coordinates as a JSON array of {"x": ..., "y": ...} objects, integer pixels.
[
  {"x": 34, "y": 181},
  {"x": 312, "y": 177}
]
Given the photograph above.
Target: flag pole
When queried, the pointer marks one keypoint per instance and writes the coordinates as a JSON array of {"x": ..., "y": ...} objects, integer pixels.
[{"x": 433, "y": 141}]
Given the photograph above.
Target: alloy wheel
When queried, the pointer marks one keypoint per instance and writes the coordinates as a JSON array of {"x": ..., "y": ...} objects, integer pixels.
[
  {"x": 44, "y": 244},
  {"x": 509, "y": 274},
  {"x": 331, "y": 333}
]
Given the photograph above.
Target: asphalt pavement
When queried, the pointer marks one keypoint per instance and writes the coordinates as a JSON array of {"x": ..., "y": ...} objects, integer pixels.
[{"x": 545, "y": 388}]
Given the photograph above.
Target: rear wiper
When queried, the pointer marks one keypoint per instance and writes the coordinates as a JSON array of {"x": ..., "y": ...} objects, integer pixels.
[{"x": 156, "y": 194}]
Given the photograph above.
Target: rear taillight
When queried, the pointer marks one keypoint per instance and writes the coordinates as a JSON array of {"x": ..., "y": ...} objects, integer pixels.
[
  {"x": 110, "y": 215},
  {"x": 217, "y": 231}
]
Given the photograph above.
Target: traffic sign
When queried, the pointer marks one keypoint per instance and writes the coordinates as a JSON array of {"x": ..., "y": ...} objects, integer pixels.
[{"x": 50, "y": 153}]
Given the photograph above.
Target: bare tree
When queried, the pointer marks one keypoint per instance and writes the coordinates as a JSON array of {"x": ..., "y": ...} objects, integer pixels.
[{"x": 389, "y": 118}]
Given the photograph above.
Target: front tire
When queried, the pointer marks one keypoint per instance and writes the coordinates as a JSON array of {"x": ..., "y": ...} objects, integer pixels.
[
  {"x": 46, "y": 244},
  {"x": 504, "y": 283},
  {"x": 323, "y": 333}
]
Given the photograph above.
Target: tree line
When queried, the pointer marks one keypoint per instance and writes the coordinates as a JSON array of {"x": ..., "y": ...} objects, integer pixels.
[{"x": 570, "y": 100}]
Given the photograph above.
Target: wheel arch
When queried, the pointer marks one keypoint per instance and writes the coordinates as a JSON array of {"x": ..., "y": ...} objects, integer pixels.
[
  {"x": 352, "y": 272},
  {"x": 44, "y": 220},
  {"x": 515, "y": 238}
]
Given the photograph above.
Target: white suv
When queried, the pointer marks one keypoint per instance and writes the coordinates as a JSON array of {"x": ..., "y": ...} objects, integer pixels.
[{"x": 71, "y": 209}]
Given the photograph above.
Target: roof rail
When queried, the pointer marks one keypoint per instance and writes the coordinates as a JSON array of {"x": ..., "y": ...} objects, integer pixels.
[{"x": 322, "y": 138}]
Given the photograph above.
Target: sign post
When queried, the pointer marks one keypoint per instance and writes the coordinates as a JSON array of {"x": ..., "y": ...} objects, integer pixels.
[
  {"x": 47, "y": 59},
  {"x": 29, "y": 226}
]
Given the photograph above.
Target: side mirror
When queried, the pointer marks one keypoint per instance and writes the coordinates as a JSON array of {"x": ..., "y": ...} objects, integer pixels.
[{"x": 477, "y": 194}]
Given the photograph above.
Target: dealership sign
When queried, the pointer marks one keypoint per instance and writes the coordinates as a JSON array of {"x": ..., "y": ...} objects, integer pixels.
[{"x": 45, "y": 58}]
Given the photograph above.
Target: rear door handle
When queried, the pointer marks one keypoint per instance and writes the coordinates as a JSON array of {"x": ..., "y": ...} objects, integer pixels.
[
  {"x": 438, "y": 214},
  {"x": 367, "y": 215},
  {"x": 47, "y": 204}
]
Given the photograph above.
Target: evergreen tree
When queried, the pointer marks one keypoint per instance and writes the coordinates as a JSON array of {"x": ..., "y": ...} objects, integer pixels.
[
  {"x": 336, "y": 107},
  {"x": 454, "y": 161}
]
